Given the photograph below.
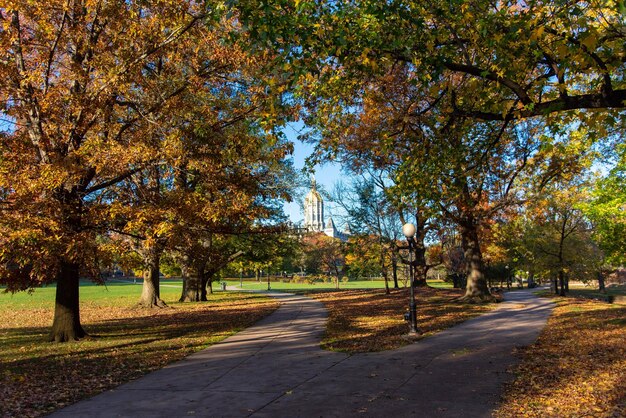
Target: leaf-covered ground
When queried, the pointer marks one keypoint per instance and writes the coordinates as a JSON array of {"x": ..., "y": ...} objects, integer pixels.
[
  {"x": 370, "y": 320},
  {"x": 577, "y": 367},
  {"x": 37, "y": 377}
]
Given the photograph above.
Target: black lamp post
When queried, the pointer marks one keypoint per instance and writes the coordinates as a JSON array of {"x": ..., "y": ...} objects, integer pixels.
[
  {"x": 508, "y": 278},
  {"x": 408, "y": 230}
]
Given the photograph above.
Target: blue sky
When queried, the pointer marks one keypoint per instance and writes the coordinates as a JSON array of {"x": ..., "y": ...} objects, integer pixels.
[{"x": 326, "y": 175}]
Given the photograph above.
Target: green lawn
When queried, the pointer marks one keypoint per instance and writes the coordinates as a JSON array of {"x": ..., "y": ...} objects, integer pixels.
[
  {"x": 351, "y": 285},
  {"x": 123, "y": 292},
  {"x": 580, "y": 290},
  {"x": 112, "y": 294}
]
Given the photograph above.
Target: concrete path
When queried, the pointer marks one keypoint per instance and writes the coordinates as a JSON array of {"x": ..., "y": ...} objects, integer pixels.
[{"x": 276, "y": 369}]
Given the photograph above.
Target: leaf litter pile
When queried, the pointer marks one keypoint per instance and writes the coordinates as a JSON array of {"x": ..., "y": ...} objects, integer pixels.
[
  {"x": 38, "y": 377},
  {"x": 370, "y": 320},
  {"x": 577, "y": 367}
]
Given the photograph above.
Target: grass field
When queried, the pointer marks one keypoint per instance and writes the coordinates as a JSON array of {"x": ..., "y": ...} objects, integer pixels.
[
  {"x": 350, "y": 285},
  {"x": 38, "y": 377},
  {"x": 591, "y": 292}
]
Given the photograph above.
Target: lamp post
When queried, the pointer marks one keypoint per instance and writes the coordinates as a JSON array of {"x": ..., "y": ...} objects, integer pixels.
[
  {"x": 408, "y": 230},
  {"x": 508, "y": 278}
]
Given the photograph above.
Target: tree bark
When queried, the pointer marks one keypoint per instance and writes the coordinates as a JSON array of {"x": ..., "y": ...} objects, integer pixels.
[
  {"x": 150, "y": 293},
  {"x": 394, "y": 271},
  {"x": 420, "y": 268},
  {"x": 192, "y": 285},
  {"x": 476, "y": 289},
  {"x": 386, "y": 279},
  {"x": 206, "y": 282},
  {"x": 556, "y": 285},
  {"x": 206, "y": 285},
  {"x": 66, "y": 324},
  {"x": 561, "y": 283},
  {"x": 601, "y": 283},
  {"x": 383, "y": 267}
]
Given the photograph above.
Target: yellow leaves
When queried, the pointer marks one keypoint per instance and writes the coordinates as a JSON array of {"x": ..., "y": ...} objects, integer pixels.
[
  {"x": 590, "y": 41},
  {"x": 537, "y": 33}
]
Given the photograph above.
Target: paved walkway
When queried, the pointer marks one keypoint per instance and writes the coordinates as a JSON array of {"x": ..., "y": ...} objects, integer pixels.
[{"x": 276, "y": 369}]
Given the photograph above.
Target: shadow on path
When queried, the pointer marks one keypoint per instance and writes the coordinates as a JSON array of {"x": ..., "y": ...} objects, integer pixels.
[{"x": 276, "y": 369}]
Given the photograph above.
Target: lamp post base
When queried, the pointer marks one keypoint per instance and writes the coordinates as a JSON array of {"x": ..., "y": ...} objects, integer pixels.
[{"x": 412, "y": 336}]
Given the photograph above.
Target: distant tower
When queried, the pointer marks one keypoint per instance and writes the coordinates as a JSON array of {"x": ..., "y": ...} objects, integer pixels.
[
  {"x": 330, "y": 228},
  {"x": 314, "y": 210}
]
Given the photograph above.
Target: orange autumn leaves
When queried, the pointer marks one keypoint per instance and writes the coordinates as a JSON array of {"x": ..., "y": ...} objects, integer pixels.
[{"x": 576, "y": 368}]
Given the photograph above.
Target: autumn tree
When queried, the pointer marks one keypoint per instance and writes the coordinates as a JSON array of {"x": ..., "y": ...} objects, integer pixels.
[
  {"x": 68, "y": 72},
  {"x": 325, "y": 254},
  {"x": 362, "y": 255},
  {"x": 552, "y": 237},
  {"x": 447, "y": 167},
  {"x": 468, "y": 62},
  {"x": 89, "y": 91},
  {"x": 522, "y": 58}
]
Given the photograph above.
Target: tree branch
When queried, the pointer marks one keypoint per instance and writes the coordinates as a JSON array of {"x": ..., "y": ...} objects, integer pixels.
[{"x": 489, "y": 75}]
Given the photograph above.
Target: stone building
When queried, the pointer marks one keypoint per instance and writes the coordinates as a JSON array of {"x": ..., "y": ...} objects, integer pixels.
[{"x": 314, "y": 215}]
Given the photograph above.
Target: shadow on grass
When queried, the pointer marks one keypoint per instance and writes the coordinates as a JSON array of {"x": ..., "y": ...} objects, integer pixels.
[
  {"x": 367, "y": 321},
  {"x": 39, "y": 377},
  {"x": 578, "y": 361}
]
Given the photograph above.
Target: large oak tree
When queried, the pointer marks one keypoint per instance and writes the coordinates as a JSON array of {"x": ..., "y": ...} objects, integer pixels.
[{"x": 88, "y": 90}]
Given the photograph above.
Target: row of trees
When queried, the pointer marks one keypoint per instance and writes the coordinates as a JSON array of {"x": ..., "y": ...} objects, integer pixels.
[
  {"x": 129, "y": 129},
  {"x": 140, "y": 128},
  {"x": 471, "y": 109}
]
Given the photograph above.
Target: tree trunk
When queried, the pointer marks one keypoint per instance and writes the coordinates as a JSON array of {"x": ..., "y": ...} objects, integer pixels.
[
  {"x": 601, "y": 284},
  {"x": 206, "y": 284},
  {"x": 561, "y": 283},
  {"x": 66, "y": 324},
  {"x": 207, "y": 289},
  {"x": 476, "y": 289},
  {"x": 150, "y": 294},
  {"x": 192, "y": 285},
  {"x": 383, "y": 267},
  {"x": 556, "y": 285},
  {"x": 420, "y": 268},
  {"x": 394, "y": 271},
  {"x": 419, "y": 275},
  {"x": 386, "y": 279}
]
